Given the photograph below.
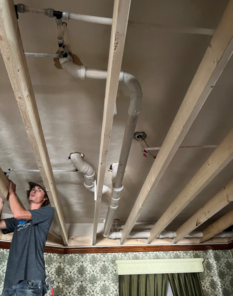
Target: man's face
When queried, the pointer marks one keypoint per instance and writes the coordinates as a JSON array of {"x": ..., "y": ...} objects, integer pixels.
[{"x": 37, "y": 195}]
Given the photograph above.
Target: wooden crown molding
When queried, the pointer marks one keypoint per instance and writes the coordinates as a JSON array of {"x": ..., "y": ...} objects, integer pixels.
[{"x": 149, "y": 248}]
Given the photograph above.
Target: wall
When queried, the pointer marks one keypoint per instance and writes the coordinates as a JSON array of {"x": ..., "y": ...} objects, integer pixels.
[{"x": 95, "y": 274}]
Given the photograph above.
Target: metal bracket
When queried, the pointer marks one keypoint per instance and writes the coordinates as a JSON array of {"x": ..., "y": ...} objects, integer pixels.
[{"x": 7, "y": 174}]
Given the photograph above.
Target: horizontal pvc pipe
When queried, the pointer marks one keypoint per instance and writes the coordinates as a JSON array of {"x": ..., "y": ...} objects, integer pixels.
[
  {"x": 21, "y": 8},
  {"x": 225, "y": 234},
  {"x": 203, "y": 146},
  {"x": 89, "y": 18},
  {"x": 55, "y": 171},
  {"x": 164, "y": 234},
  {"x": 40, "y": 55},
  {"x": 105, "y": 189},
  {"x": 35, "y": 10}
]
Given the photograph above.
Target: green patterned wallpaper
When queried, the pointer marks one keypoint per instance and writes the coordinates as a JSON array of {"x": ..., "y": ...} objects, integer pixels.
[{"x": 95, "y": 274}]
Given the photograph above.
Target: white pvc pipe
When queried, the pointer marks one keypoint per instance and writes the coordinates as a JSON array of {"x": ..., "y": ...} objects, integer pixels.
[
  {"x": 87, "y": 170},
  {"x": 35, "y": 10},
  {"x": 55, "y": 171},
  {"x": 165, "y": 234},
  {"x": 105, "y": 189},
  {"x": 225, "y": 234},
  {"x": 139, "y": 226},
  {"x": 108, "y": 21},
  {"x": 200, "y": 146},
  {"x": 72, "y": 69},
  {"x": 134, "y": 109},
  {"x": 87, "y": 18},
  {"x": 39, "y": 55}
]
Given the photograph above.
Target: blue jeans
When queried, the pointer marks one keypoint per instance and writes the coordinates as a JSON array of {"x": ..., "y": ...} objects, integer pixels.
[{"x": 26, "y": 288}]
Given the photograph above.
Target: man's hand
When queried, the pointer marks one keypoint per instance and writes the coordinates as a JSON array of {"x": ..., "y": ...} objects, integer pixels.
[{"x": 12, "y": 187}]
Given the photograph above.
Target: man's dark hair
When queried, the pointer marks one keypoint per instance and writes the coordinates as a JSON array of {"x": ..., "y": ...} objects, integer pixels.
[{"x": 31, "y": 186}]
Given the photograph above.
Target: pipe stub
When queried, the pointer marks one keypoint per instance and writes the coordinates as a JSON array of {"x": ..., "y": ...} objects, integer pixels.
[{"x": 65, "y": 15}]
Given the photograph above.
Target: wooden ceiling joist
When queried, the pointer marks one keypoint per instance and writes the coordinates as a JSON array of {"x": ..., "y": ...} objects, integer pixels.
[
  {"x": 217, "y": 227},
  {"x": 118, "y": 34},
  {"x": 13, "y": 54},
  {"x": 212, "y": 166},
  {"x": 215, "y": 59},
  {"x": 214, "y": 205}
]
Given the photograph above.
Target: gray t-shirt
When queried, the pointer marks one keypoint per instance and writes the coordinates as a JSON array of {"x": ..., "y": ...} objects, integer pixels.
[{"x": 26, "y": 258}]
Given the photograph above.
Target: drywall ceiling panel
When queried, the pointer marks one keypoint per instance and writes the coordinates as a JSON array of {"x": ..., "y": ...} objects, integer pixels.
[{"x": 71, "y": 110}]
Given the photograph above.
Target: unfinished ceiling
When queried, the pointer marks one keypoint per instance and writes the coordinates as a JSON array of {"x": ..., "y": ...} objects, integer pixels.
[{"x": 71, "y": 110}]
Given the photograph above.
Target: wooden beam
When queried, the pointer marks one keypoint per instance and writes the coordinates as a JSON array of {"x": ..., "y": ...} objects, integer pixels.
[
  {"x": 4, "y": 185},
  {"x": 214, "y": 205},
  {"x": 117, "y": 43},
  {"x": 212, "y": 166},
  {"x": 217, "y": 227},
  {"x": 13, "y": 54},
  {"x": 215, "y": 59}
]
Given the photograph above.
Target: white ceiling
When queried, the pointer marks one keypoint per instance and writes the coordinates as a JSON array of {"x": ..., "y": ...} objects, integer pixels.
[{"x": 71, "y": 110}]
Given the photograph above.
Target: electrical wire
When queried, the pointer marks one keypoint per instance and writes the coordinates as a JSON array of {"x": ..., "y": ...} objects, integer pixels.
[
  {"x": 143, "y": 148},
  {"x": 148, "y": 147}
]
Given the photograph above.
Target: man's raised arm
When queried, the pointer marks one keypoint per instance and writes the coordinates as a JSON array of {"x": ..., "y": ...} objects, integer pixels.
[{"x": 17, "y": 211}]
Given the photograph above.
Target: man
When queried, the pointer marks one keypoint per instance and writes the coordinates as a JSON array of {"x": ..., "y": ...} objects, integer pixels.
[{"x": 25, "y": 273}]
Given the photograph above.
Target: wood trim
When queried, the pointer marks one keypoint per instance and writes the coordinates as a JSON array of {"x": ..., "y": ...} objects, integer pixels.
[
  {"x": 214, "y": 205},
  {"x": 14, "y": 58},
  {"x": 117, "y": 43},
  {"x": 124, "y": 249},
  {"x": 214, "y": 61}
]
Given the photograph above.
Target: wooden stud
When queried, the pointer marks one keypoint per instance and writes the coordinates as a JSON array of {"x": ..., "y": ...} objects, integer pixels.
[
  {"x": 212, "y": 166},
  {"x": 214, "y": 205},
  {"x": 211, "y": 67},
  {"x": 118, "y": 34},
  {"x": 13, "y": 54},
  {"x": 218, "y": 226},
  {"x": 4, "y": 185}
]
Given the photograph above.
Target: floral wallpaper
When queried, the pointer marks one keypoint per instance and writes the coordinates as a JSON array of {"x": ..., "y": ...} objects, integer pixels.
[{"x": 95, "y": 274}]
